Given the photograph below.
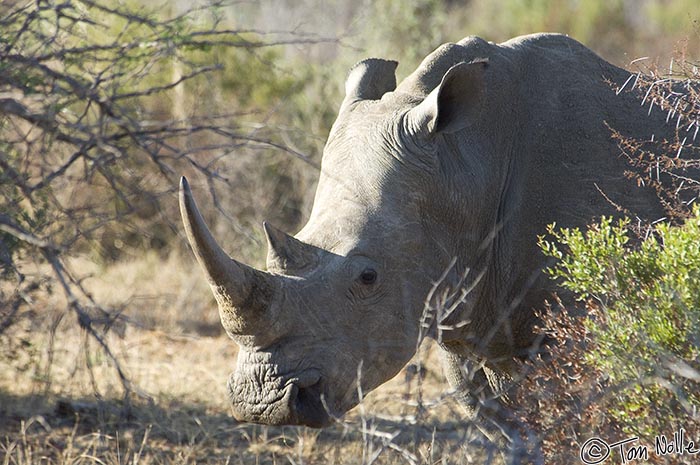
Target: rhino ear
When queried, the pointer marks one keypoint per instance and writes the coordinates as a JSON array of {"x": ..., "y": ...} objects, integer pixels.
[
  {"x": 369, "y": 80},
  {"x": 285, "y": 252},
  {"x": 454, "y": 104}
]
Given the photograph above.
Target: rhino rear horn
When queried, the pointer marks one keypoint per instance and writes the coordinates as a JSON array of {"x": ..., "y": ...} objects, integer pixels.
[
  {"x": 369, "y": 80},
  {"x": 243, "y": 293},
  {"x": 285, "y": 252}
]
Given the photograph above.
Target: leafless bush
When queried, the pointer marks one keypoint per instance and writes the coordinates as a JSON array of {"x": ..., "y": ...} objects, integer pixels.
[
  {"x": 94, "y": 134},
  {"x": 560, "y": 396},
  {"x": 670, "y": 165}
]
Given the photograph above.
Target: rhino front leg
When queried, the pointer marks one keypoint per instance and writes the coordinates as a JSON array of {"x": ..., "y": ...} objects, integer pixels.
[
  {"x": 478, "y": 387},
  {"x": 483, "y": 393}
]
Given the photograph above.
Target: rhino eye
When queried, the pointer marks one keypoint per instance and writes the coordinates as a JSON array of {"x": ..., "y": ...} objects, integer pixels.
[{"x": 368, "y": 276}]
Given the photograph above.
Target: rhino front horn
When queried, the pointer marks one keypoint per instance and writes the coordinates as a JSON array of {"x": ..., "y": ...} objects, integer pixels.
[{"x": 243, "y": 293}]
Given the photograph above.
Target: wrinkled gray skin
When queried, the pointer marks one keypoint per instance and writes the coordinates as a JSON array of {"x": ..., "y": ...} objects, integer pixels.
[{"x": 458, "y": 169}]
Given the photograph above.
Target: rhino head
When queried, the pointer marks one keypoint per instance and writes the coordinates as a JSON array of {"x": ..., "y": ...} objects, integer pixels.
[{"x": 340, "y": 304}]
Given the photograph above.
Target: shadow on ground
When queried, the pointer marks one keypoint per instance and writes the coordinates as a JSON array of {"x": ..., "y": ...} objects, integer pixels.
[{"x": 115, "y": 431}]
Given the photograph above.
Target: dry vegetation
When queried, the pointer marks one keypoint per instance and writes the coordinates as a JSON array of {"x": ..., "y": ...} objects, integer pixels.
[
  {"x": 71, "y": 409},
  {"x": 134, "y": 286}
]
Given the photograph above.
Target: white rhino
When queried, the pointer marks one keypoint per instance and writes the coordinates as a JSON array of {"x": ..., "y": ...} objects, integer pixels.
[{"x": 449, "y": 177}]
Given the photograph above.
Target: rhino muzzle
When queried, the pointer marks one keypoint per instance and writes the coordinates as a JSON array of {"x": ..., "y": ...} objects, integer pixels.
[{"x": 258, "y": 395}]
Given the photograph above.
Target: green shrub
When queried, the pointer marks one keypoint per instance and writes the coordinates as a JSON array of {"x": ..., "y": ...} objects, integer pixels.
[{"x": 645, "y": 325}]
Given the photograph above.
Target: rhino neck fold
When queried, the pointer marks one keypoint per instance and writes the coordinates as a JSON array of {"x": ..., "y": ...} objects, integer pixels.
[{"x": 475, "y": 205}]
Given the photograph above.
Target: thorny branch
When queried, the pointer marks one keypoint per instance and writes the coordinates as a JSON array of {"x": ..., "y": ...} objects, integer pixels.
[
  {"x": 83, "y": 144},
  {"x": 671, "y": 167}
]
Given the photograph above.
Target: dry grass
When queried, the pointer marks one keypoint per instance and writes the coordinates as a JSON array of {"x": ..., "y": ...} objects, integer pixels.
[{"x": 62, "y": 402}]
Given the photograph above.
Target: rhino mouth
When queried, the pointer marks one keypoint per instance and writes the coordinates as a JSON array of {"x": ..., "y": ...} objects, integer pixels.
[
  {"x": 310, "y": 407},
  {"x": 259, "y": 395}
]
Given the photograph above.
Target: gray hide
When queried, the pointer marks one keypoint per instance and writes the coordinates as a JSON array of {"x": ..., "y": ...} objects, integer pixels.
[{"x": 448, "y": 177}]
